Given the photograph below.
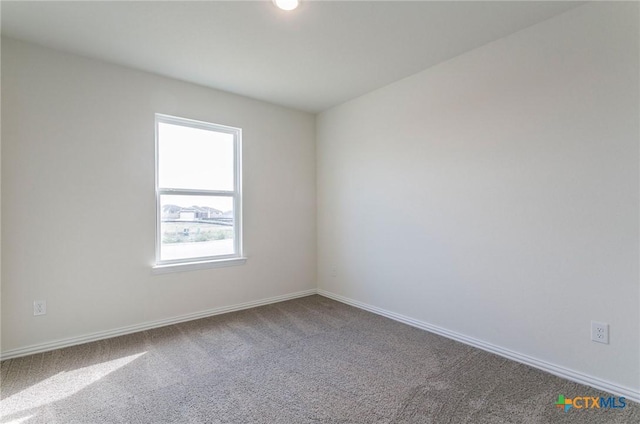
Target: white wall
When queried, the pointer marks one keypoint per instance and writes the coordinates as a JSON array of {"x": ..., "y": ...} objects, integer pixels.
[
  {"x": 78, "y": 203},
  {"x": 496, "y": 195}
]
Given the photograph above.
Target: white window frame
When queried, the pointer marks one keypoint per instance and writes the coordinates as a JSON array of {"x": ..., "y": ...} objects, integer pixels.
[{"x": 207, "y": 261}]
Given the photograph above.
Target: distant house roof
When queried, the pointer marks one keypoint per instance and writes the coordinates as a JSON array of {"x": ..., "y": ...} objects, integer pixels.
[{"x": 175, "y": 209}]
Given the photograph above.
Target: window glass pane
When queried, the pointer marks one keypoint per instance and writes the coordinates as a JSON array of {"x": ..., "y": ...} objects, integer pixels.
[
  {"x": 196, "y": 226},
  {"x": 193, "y": 158}
]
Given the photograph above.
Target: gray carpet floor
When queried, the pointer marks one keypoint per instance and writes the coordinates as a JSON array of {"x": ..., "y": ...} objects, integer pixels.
[{"x": 309, "y": 360}]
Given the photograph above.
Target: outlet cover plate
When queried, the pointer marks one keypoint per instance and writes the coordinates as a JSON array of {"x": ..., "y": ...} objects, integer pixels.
[
  {"x": 39, "y": 307},
  {"x": 600, "y": 332}
]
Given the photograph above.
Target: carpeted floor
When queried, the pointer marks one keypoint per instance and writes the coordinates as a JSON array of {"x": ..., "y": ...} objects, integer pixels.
[{"x": 309, "y": 360}]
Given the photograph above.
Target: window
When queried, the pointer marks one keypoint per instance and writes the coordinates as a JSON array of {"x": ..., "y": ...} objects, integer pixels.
[{"x": 198, "y": 193}]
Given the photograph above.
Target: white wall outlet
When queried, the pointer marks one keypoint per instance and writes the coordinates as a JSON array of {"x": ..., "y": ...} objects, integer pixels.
[
  {"x": 600, "y": 332},
  {"x": 333, "y": 272},
  {"x": 39, "y": 307}
]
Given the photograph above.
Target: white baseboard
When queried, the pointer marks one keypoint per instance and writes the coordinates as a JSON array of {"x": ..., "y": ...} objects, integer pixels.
[
  {"x": 560, "y": 371},
  {"x": 100, "y": 335}
]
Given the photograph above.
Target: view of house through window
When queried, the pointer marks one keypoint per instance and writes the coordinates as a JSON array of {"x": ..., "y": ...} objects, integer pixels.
[{"x": 197, "y": 189}]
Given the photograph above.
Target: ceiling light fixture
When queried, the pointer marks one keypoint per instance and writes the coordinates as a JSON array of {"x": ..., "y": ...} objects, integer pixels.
[{"x": 286, "y": 4}]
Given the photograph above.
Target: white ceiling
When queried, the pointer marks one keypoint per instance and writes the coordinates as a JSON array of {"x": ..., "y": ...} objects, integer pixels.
[{"x": 318, "y": 56}]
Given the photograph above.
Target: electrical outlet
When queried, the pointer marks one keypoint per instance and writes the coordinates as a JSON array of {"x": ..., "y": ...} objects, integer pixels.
[
  {"x": 600, "y": 332},
  {"x": 39, "y": 307},
  {"x": 333, "y": 272}
]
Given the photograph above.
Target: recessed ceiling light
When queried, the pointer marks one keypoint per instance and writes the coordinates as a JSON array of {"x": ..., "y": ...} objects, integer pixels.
[{"x": 286, "y": 4}]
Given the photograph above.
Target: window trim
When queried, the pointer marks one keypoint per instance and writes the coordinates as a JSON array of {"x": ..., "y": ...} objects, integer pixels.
[{"x": 161, "y": 266}]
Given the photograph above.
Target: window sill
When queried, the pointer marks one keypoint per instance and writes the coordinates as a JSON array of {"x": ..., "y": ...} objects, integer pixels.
[{"x": 193, "y": 266}]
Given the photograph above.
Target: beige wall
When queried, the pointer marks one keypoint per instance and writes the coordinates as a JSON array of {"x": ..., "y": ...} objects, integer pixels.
[
  {"x": 496, "y": 195},
  {"x": 78, "y": 203}
]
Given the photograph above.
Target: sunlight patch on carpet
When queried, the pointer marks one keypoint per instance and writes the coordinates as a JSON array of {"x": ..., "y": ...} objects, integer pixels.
[{"x": 60, "y": 386}]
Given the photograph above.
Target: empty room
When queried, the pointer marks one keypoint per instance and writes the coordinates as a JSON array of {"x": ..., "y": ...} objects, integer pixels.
[{"x": 310, "y": 211}]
